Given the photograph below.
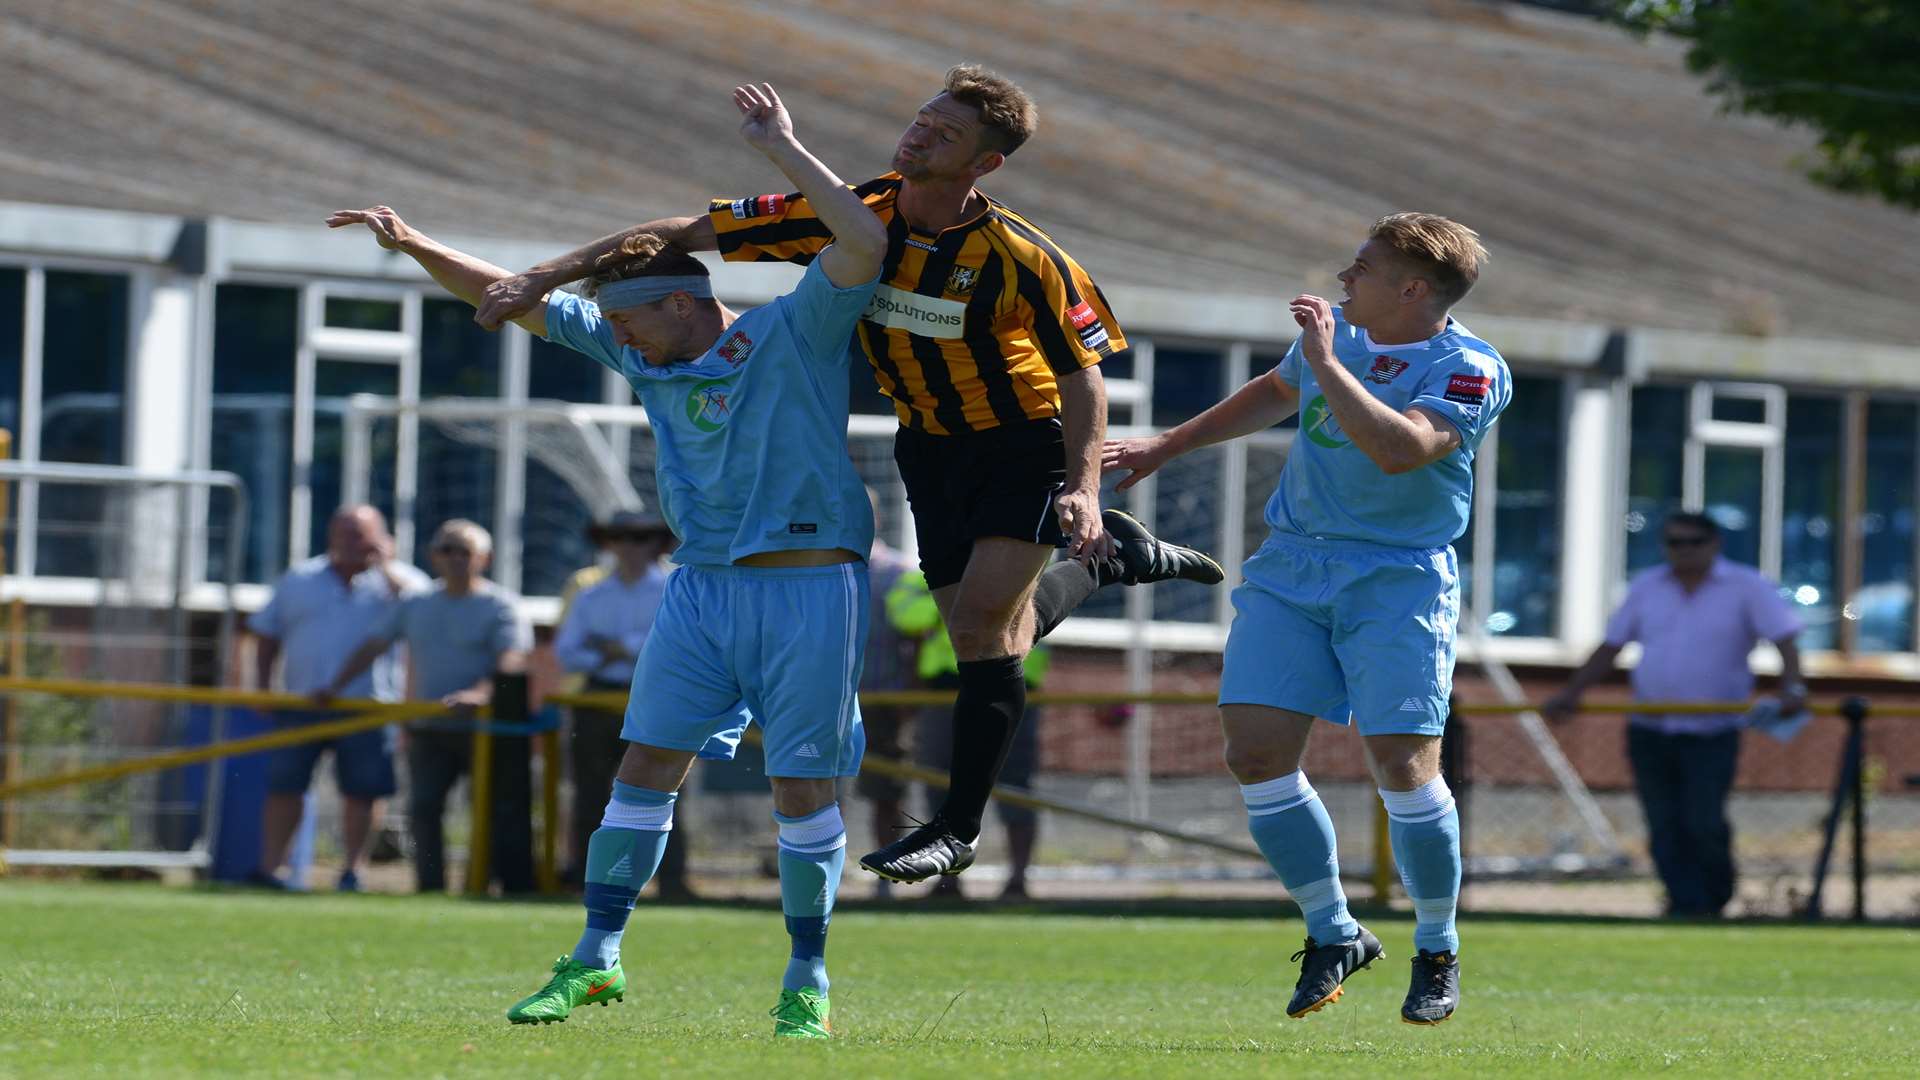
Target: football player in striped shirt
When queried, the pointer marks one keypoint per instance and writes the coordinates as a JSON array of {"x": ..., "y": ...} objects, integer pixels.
[
  {"x": 1347, "y": 612},
  {"x": 987, "y": 336}
]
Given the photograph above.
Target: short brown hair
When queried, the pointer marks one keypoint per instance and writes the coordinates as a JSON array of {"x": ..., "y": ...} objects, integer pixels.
[
  {"x": 1006, "y": 112},
  {"x": 649, "y": 261},
  {"x": 1445, "y": 252}
]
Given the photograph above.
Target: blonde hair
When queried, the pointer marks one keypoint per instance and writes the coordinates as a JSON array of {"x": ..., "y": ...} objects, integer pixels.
[
  {"x": 1006, "y": 112},
  {"x": 470, "y": 531},
  {"x": 1445, "y": 252}
]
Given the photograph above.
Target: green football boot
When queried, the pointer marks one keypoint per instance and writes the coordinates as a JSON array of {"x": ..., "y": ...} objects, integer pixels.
[
  {"x": 573, "y": 984},
  {"x": 801, "y": 1014}
]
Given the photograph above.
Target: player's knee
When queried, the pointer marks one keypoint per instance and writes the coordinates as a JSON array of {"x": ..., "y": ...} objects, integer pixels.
[
  {"x": 1255, "y": 761},
  {"x": 799, "y": 797},
  {"x": 653, "y": 767},
  {"x": 979, "y": 635}
]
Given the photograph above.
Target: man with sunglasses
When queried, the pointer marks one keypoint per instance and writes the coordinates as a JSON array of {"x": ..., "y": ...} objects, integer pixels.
[
  {"x": 1696, "y": 617},
  {"x": 458, "y": 635}
]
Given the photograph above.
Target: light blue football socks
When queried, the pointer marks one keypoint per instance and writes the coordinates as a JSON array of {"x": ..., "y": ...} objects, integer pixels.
[
  {"x": 622, "y": 855},
  {"x": 813, "y": 849},
  {"x": 1425, "y": 827},
  {"x": 1290, "y": 824}
]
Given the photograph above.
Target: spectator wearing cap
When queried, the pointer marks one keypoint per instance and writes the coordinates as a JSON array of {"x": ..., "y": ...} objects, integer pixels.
[
  {"x": 600, "y": 636},
  {"x": 458, "y": 636},
  {"x": 1696, "y": 618},
  {"x": 319, "y": 613}
]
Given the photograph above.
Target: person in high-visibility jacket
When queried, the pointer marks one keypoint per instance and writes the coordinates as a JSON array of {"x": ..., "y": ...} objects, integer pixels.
[{"x": 911, "y": 611}]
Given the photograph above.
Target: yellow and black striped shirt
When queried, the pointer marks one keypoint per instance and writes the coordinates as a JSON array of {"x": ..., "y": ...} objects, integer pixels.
[{"x": 969, "y": 329}]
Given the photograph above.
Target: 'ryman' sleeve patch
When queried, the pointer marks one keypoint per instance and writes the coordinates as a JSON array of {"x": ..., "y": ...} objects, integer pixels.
[
  {"x": 758, "y": 206},
  {"x": 1468, "y": 389}
]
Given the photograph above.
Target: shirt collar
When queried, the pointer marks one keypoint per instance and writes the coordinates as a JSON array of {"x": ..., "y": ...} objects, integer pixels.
[{"x": 1411, "y": 346}]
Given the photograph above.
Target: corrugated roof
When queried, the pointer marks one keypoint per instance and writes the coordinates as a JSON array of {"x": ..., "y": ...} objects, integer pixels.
[{"x": 1240, "y": 146}]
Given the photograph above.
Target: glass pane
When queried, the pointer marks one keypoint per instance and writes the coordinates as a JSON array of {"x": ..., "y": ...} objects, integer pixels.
[
  {"x": 557, "y": 373},
  {"x": 1739, "y": 410},
  {"x": 1186, "y": 383},
  {"x": 256, "y": 331},
  {"x": 1526, "y": 518},
  {"x": 553, "y": 532},
  {"x": 1654, "y": 469},
  {"x": 1733, "y": 484},
  {"x": 457, "y": 461},
  {"x": 82, "y": 417},
  {"x": 1810, "y": 537},
  {"x": 334, "y": 381},
  {"x": 356, "y": 313},
  {"x": 13, "y": 297},
  {"x": 1885, "y": 603}
]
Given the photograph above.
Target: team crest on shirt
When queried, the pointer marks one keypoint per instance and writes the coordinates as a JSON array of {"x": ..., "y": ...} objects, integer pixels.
[
  {"x": 1385, "y": 369},
  {"x": 963, "y": 279},
  {"x": 735, "y": 351},
  {"x": 707, "y": 405}
]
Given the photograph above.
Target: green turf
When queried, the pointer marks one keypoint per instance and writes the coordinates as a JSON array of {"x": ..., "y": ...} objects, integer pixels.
[{"x": 140, "y": 980}]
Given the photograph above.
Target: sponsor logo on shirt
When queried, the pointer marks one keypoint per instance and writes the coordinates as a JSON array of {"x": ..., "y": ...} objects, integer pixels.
[
  {"x": 963, "y": 279},
  {"x": 759, "y": 206},
  {"x": 707, "y": 405},
  {"x": 1468, "y": 390},
  {"x": 1317, "y": 421},
  {"x": 802, "y": 528},
  {"x": 1385, "y": 369},
  {"x": 921, "y": 244},
  {"x": 735, "y": 351},
  {"x": 1093, "y": 334},
  {"x": 928, "y": 316}
]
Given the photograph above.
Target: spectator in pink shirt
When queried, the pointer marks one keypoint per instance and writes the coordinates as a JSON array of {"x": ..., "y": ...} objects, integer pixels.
[{"x": 1696, "y": 619}]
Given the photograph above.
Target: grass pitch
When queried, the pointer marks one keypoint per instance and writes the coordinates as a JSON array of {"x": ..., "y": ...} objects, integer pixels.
[{"x": 141, "y": 980}]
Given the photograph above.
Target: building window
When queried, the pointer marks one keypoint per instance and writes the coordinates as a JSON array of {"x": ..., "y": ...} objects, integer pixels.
[
  {"x": 1885, "y": 603},
  {"x": 1810, "y": 533},
  {"x": 256, "y": 331},
  {"x": 83, "y": 382},
  {"x": 13, "y": 301},
  {"x": 553, "y": 531},
  {"x": 456, "y": 477},
  {"x": 1655, "y": 470},
  {"x": 1187, "y": 498},
  {"x": 1527, "y": 506}
]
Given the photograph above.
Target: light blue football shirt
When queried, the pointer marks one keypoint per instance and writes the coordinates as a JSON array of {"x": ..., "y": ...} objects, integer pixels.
[
  {"x": 1331, "y": 490},
  {"x": 752, "y": 436}
]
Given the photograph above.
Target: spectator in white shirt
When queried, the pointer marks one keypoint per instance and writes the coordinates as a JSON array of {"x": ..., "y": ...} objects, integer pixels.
[{"x": 1697, "y": 618}]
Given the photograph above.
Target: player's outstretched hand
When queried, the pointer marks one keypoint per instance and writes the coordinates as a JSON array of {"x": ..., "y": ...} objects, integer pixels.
[
  {"x": 507, "y": 299},
  {"x": 1315, "y": 317},
  {"x": 1140, "y": 457},
  {"x": 764, "y": 121},
  {"x": 388, "y": 230}
]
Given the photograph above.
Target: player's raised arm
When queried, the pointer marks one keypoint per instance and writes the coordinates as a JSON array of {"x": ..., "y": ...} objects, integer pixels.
[
  {"x": 461, "y": 274},
  {"x": 859, "y": 239},
  {"x": 517, "y": 294}
]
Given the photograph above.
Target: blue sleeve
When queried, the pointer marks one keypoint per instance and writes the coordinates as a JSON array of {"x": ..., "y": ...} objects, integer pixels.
[
  {"x": 270, "y": 621},
  {"x": 570, "y": 641},
  {"x": 393, "y": 624},
  {"x": 823, "y": 315},
  {"x": 576, "y": 323},
  {"x": 1468, "y": 388},
  {"x": 511, "y": 633},
  {"x": 1289, "y": 366}
]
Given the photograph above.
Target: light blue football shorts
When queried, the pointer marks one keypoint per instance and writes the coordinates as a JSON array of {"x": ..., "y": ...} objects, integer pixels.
[
  {"x": 780, "y": 647},
  {"x": 1343, "y": 629}
]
